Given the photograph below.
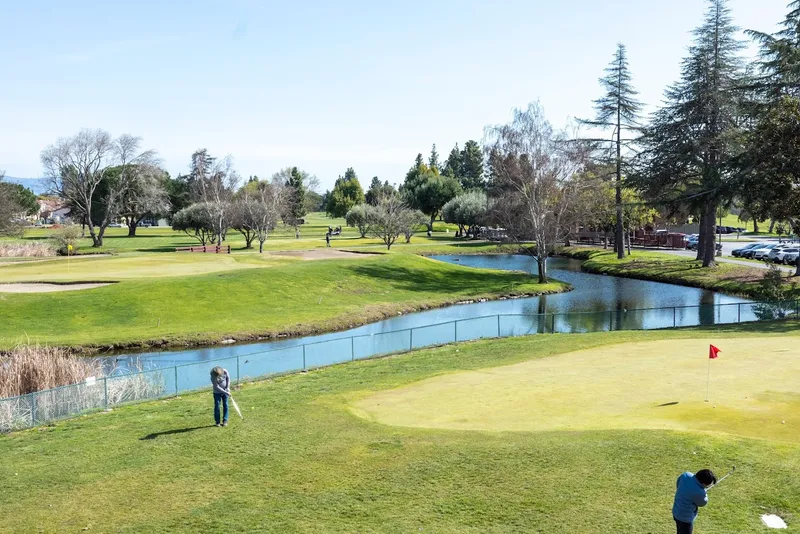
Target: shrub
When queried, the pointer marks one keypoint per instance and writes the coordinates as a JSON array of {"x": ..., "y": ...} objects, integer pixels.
[{"x": 66, "y": 236}]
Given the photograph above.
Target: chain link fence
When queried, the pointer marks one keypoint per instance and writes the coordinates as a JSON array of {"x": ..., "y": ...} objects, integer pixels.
[{"x": 43, "y": 407}]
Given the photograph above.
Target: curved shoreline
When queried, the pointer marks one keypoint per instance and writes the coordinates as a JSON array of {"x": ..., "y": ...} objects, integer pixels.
[
  {"x": 742, "y": 282},
  {"x": 326, "y": 327}
]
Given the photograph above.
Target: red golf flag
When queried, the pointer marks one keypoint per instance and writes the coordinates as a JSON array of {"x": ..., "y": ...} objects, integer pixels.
[{"x": 713, "y": 352}]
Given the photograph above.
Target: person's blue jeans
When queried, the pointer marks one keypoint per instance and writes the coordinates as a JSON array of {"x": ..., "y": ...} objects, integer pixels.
[
  {"x": 684, "y": 528},
  {"x": 220, "y": 397}
]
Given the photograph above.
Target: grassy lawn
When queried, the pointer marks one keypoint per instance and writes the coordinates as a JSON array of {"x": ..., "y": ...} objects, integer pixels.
[
  {"x": 249, "y": 296},
  {"x": 312, "y": 235},
  {"x": 727, "y": 277},
  {"x": 302, "y": 461}
]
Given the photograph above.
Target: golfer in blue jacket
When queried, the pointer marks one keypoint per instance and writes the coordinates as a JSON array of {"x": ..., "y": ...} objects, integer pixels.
[
  {"x": 221, "y": 383},
  {"x": 690, "y": 494}
]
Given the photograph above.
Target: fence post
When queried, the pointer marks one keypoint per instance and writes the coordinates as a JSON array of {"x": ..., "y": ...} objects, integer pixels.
[
  {"x": 553, "y": 327},
  {"x": 105, "y": 392},
  {"x": 610, "y": 320},
  {"x": 410, "y": 338},
  {"x": 304, "y": 357},
  {"x": 33, "y": 409},
  {"x": 455, "y": 331},
  {"x": 674, "y": 317},
  {"x": 352, "y": 349},
  {"x": 739, "y": 319},
  {"x": 498, "y": 325},
  {"x": 176, "y": 380}
]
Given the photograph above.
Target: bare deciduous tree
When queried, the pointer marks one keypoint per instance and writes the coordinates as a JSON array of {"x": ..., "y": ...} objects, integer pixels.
[
  {"x": 534, "y": 188},
  {"x": 145, "y": 196},
  {"x": 78, "y": 170},
  {"x": 391, "y": 219},
  {"x": 214, "y": 183},
  {"x": 258, "y": 209}
]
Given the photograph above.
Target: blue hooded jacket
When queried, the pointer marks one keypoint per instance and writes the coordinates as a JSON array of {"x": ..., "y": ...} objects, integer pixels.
[{"x": 689, "y": 495}]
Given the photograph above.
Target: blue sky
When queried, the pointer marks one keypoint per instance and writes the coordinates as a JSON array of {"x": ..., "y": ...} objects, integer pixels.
[{"x": 321, "y": 85}]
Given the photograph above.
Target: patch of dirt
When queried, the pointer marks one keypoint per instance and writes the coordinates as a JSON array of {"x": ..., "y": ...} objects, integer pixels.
[
  {"x": 36, "y": 287},
  {"x": 321, "y": 254}
]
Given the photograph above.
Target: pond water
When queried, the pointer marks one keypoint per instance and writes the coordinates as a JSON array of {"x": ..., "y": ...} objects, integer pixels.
[{"x": 596, "y": 303}]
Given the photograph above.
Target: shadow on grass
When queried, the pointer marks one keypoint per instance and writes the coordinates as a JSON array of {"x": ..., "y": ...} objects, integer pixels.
[{"x": 175, "y": 431}]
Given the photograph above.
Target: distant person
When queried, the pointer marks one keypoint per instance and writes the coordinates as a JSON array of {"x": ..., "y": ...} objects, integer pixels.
[
  {"x": 690, "y": 494},
  {"x": 328, "y": 239},
  {"x": 221, "y": 383}
]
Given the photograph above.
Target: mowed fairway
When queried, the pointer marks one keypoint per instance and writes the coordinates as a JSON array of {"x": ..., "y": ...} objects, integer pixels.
[
  {"x": 301, "y": 461},
  {"x": 243, "y": 296},
  {"x": 755, "y": 391}
]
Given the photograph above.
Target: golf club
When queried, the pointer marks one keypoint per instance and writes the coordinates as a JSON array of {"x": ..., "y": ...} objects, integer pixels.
[
  {"x": 723, "y": 478},
  {"x": 235, "y": 406}
]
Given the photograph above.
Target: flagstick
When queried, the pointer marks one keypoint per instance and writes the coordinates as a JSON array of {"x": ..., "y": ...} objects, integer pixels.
[{"x": 708, "y": 378}]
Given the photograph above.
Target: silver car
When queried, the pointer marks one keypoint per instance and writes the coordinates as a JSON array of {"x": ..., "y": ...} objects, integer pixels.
[{"x": 788, "y": 256}]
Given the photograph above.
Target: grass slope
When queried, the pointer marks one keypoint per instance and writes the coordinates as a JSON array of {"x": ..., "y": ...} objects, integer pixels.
[
  {"x": 292, "y": 297},
  {"x": 660, "y": 267},
  {"x": 301, "y": 462}
]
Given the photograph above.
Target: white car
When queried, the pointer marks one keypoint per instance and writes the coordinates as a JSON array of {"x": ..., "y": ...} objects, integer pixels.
[
  {"x": 115, "y": 225},
  {"x": 761, "y": 253},
  {"x": 773, "y": 254},
  {"x": 790, "y": 258}
]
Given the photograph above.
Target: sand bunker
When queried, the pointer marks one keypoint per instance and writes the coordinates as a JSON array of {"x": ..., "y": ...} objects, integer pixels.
[
  {"x": 321, "y": 254},
  {"x": 47, "y": 288}
]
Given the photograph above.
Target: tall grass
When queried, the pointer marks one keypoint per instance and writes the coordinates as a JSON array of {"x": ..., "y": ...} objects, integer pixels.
[
  {"x": 26, "y": 250},
  {"x": 29, "y": 368}
]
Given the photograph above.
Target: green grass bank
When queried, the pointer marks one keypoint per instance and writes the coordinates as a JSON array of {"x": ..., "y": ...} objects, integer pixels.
[
  {"x": 254, "y": 298},
  {"x": 300, "y": 461}
]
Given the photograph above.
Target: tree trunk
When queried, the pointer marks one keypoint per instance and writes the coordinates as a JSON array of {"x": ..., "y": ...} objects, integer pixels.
[
  {"x": 771, "y": 226},
  {"x": 132, "y": 228},
  {"x": 755, "y": 225},
  {"x": 628, "y": 233},
  {"x": 96, "y": 240},
  {"x": 542, "y": 261},
  {"x": 260, "y": 247},
  {"x": 709, "y": 246},
  {"x": 701, "y": 240}
]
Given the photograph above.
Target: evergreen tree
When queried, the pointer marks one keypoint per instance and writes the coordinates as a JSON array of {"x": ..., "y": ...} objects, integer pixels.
[
  {"x": 347, "y": 192},
  {"x": 452, "y": 166},
  {"x": 690, "y": 148},
  {"x": 471, "y": 167},
  {"x": 298, "y": 200},
  {"x": 780, "y": 58},
  {"x": 433, "y": 160},
  {"x": 619, "y": 110}
]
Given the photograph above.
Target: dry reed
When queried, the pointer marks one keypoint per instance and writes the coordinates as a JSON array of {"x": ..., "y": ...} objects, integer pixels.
[
  {"x": 29, "y": 368},
  {"x": 26, "y": 250}
]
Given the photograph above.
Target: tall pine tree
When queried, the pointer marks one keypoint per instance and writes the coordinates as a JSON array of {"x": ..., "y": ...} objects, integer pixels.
[
  {"x": 619, "y": 110},
  {"x": 471, "y": 175},
  {"x": 433, "y": 160},
  {"x": 452, "y": 167},
  {"x": 780, "y": 58},
  {"x": 691, "y": 145}
]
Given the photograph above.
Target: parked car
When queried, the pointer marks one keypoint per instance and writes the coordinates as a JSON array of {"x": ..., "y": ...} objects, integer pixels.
[
  {"x": 750, "y": 251},
  {"x": 691, "y": 241},
  {"x": 762, "y": 252},
  {"x": 737, "y": 252},
  {"x": 144, "y": 225},
  {"x": 773, "y": 254},
  {"x": 780, "y": 256},
  {"x": 790, "y": 258},
  {"x": 115, "y": 225}
]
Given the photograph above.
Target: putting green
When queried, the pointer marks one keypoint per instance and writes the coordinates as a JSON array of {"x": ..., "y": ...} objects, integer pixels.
[{"x": 755, "y": 391}]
